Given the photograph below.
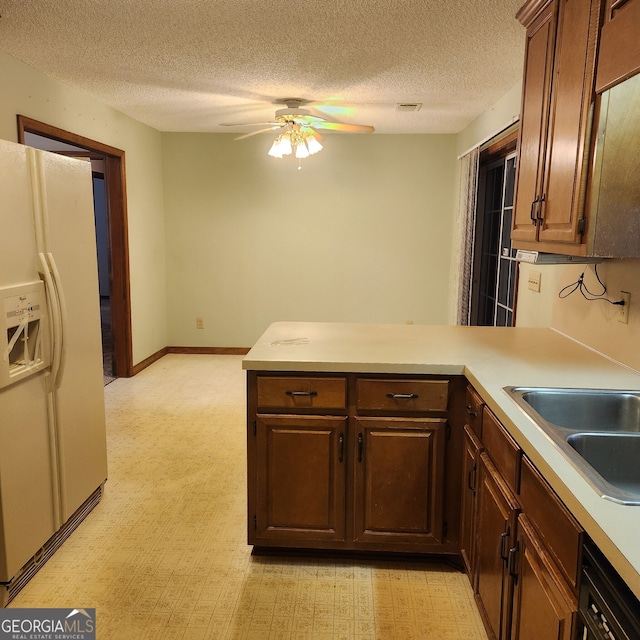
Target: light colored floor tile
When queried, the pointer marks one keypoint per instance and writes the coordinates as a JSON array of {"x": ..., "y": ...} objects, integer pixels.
[{"x": 164, "y": 555}]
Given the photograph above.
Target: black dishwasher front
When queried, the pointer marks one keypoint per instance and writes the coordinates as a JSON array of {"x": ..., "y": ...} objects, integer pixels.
[{"x": 608, "y": 609}]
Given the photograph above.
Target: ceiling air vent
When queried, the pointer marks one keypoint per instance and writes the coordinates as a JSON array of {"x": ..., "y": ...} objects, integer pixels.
[{"x": 408, "y": 106}]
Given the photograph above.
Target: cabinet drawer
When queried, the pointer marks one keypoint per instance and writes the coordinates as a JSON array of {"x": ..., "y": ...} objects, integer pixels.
[
  {"x": 555, "y": 525},
  {"x": 502, "y": 448},
  {"x": 474, "y": 407},
  {"x": 302, "y": 393},
  {"x": 402, "y": 395}
]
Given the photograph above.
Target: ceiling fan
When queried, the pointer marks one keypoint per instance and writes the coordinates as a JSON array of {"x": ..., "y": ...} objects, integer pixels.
[{"x": 297, "y": 129}]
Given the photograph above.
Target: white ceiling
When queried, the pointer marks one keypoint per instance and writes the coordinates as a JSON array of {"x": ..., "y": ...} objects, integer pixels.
[{"x": 190, "y": 65}]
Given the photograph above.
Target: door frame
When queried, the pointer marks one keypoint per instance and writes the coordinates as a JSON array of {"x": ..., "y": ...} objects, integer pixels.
[{"x": 114, "y": 172}]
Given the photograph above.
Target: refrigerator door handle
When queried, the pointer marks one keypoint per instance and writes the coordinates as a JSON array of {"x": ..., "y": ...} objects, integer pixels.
[
  {"x": 62, "y": 310},
  {"x": 54, "y": 308}
]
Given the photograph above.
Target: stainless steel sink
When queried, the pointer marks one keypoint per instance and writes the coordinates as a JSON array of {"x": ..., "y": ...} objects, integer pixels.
[
  {"x": 587, "y": 409},
  {"x": 598, "y": 431},
  {"x": 614, "y": 456}
]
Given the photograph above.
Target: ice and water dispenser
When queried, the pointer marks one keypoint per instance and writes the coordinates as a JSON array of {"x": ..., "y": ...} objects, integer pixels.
[{"x": 23, "y": 332}]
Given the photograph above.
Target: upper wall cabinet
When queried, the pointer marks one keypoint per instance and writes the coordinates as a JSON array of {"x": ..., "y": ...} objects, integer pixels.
[
  {"x": 556, "y": 122},
  {"x": 619, "y": 54}
]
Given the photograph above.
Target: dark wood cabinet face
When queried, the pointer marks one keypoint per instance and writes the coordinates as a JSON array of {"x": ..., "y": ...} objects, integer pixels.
[
  {"x": 619, "y": 48},
  {"x": 354, "y": 462},
  {"x": 543, "y": 608},
  {"x": 533, "y": 125},
  {"x": 300, "y": 477},
  {"x": 556, "y": 126},
  {"x": 402, "y": 395},
  {"x": 503, "y": 450},
  {"x": 471, "y": 453},
  {"x": 497, "y": 510},
  {"x": 301, "y": 393},
  {"x": 572, "y": 96},
  {"x": 399, "y": 474}
]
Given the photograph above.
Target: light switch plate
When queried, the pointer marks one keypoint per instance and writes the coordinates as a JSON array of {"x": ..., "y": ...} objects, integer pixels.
[{"x": 534, "y": 281}]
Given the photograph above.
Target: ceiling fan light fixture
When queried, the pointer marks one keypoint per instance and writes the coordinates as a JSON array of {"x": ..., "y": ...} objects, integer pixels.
[
  {"x": 298, "y": 139},
  {"x": 281, "y": 146},
  {"x": 313, "y": 144},
  {"x": 301, "y": 150}
]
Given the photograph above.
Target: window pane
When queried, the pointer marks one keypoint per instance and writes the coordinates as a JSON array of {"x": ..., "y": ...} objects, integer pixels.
[{"x": 510, "y": 179}]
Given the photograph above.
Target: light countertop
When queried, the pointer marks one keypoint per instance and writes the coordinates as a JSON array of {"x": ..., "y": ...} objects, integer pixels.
[{"x": 491, "y": 358}]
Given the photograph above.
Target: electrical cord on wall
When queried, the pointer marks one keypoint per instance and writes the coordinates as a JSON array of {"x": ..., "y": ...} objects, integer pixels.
[{"x": 580, "y": 286}]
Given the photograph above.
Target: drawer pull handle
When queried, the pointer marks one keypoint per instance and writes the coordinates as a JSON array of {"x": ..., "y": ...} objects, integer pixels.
[
  {"x": 471, "y": 412},
  {"x": 542, "y": 204},
  {"x": 359, "y": 447},
  {"x": 306, "y": 394},
  {"x": 471, "y": 480},
  {"x": 341, "y": 448},
  {"x": 504, "y": 544},
  {"x": 534, "y": 217},
  {"x": 512, "y": 565},
  {"x": 402, "y": 396}
]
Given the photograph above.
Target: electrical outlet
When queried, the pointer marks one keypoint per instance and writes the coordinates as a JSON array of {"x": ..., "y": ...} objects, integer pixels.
[
  {"x": 623, "y": 309},
  {"x": 199, "y": 323},
  {"x": 534, "y": 281}
]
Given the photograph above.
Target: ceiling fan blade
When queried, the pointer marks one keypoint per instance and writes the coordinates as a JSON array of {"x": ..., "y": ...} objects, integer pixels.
[
  {"x": 255, "y": 133},
  {"x": 246, "y": 124},
  {"x": 338, "y": 126}
]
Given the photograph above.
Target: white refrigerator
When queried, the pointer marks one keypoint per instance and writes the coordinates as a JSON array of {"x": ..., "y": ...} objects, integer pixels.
[{"x": 53, "y": 454}]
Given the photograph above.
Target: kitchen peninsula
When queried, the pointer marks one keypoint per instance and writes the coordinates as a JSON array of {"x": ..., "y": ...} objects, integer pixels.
[{"x": 486, "y": 358}]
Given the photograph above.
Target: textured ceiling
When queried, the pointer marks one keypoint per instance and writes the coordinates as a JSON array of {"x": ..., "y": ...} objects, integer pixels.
[{"x": 189, "y": 65}]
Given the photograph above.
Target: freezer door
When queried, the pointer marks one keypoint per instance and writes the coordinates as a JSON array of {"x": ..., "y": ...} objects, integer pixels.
[
  {"x": 67, "y": 204},
  {"x": 18, "y": 263},
  {"x": 27, "y": 478}
]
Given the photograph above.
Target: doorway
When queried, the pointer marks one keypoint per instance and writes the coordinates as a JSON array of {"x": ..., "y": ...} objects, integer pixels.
[
  {"x": 495, "y": 270},
  {"x": 111, "y": 234}
]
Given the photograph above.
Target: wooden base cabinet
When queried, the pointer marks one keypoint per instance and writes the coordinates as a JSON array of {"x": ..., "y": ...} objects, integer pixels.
[
  {"x": 472, "y": 447},
  {"x": 497, "y": 510},
  {"x": 543, "y": 606},
  {"x": 470, "y": 463},
  {"x": 354, "y": 462},
  {"x": 300, "y": 478},
  {"x": 399, "y": 480},
  {"x": 524, "y": 544}
]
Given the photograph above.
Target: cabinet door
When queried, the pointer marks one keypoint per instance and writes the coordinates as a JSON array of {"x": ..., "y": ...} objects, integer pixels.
[
  {"x": 572, "y": 97},
  {"x": 619, "y": 51},
  {"x": 399, "y": 474},
  {"x": 556, "y": 527},
  {"x": 300, "y": 464},
  {"x": 533, "y": 124},
  {"x": 557, "y": 104},
  {"x": 471, "y": 452},
  {"x": 543, "y": 606},
  {"x": 497, "y": 510}
]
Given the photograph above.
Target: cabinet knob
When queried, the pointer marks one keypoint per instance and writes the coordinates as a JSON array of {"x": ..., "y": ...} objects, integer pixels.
[
  {"x": 471, "y": 412},
  {"x": 341, "y": 447},
  {"x": 359, "y": 447},
  {"x": 302, "y": 393}
]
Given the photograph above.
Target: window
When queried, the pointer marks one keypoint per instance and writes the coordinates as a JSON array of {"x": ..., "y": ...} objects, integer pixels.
[{"x": 494, "y": 278}]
